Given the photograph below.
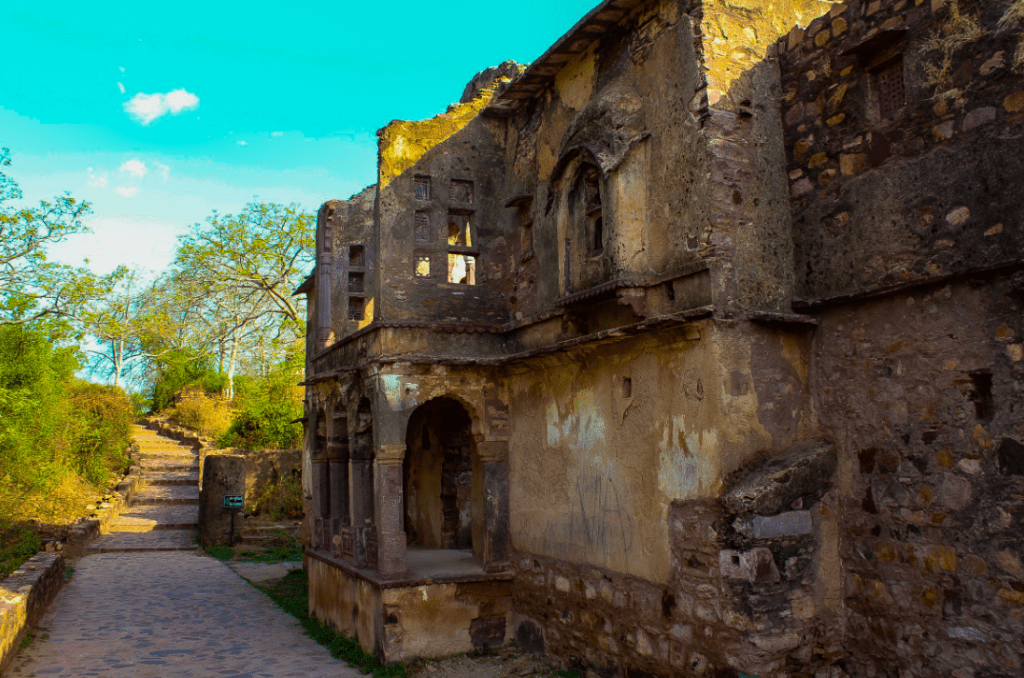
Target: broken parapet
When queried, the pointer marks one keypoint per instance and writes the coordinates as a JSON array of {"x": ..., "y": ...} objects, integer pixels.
[
  {"x": 505, "y": 72},
  {"x": 804, "y": 471}
]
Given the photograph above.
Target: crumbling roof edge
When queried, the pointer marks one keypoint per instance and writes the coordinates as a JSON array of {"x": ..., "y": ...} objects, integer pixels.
[{"x": 596, "y": 23}]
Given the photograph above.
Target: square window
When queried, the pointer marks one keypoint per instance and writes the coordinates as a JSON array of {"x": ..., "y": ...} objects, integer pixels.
[
  {"x": 422, "y": 227},
  {"x": 422, "y": 187},
  {"x": 422, "y": 267},
  {"x": 461, "y": 269},
  {"x": 461, "y": 191}
]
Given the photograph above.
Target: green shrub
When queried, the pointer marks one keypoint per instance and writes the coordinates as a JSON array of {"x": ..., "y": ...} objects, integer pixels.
[
  {"x": 179, "y": 369},
  {"x": 265, "y": 424},
  {"x": 103, "y": 431},
  {"x": 199, "y": 411}
]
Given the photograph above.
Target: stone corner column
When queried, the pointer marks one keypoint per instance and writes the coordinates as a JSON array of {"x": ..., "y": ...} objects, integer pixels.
[
  {"x": 493, "y": 454},
  {"x": 223, "y": 474},
  {"x": 391, "y": 555}
]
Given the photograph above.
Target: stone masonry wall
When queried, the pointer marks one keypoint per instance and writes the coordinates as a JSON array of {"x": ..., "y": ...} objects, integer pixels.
[
  {"x": 24, "y": 597},
  {"x": 904, "y": 127},
  {"x": 923, "y": 394}
]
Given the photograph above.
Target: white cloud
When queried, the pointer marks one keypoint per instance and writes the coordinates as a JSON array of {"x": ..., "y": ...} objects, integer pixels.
[
  {"x": 242, "y": 143},
  {"x": 277, "y": 134},
  {"x": 163, "y": 169},
  {"x": 145, "y": 108},
  {"x": 121, "y": 68},
  {"x": 97, "y": 180},
  {"x": 120, "y": 86},
  {"x": 127, "y": 191},
  {"x": 134, "y": 167}
]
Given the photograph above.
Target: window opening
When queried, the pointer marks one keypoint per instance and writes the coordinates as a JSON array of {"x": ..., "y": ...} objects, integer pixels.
[
  {"x": 459, "y": 231},
  {"x": 422, "y": 267},
  {"x": 891, "y": 91},
  {"x": 461, "y": 269},
  {"x": 594, "y": 208},
  {"x": 357, "y": 256},
  {"x": 527, "y": 238},
  {"x": 461, "y": 191},
  {"x": 355, "y": 282},
  {"x": 356, "y": 308},
  {"x": 627, "y": 387},
  {"x": 422, "y": 227},
  {"x": 422, "y": 187}
]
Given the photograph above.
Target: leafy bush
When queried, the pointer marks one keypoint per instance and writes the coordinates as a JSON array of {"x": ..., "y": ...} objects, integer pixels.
[
  {"x": 18, "y": 543},
  {"x": 104, "y": 417},
  {"x": 199, "y": 411},
  {"x": 279, "y": 499},
  {"x": 266, "y": 409},
  {"x": 179, "y": 369}
]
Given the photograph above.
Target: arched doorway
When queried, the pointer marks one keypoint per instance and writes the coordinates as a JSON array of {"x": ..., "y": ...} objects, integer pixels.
[{"x": 441, "y": 478}]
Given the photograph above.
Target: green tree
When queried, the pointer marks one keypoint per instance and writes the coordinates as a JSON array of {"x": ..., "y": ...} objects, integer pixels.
[{"x": 31, "y": 287}]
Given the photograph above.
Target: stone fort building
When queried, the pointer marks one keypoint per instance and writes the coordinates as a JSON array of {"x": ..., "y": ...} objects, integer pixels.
[{"x": 692, "y": 349}]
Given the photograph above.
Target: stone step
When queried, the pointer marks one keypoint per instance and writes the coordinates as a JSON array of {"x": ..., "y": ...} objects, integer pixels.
[
  {"x": 157, "y": 517},
  {"x": 166, "y": 494},
  {"x": 157, "y": 465},
  {"x": 157, "y": 540},
  {"x": 168, "y": 477}
]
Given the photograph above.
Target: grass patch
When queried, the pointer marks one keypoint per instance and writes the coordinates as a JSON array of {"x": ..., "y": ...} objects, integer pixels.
[
  {"x": 291, "y": 594},
  {"x": 287, "y": 550},
  {"x": 220, "y": 552}
]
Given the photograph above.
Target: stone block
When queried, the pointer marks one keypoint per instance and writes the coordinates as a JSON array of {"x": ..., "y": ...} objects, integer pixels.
[
  {"x": 790, "y": 524},
  {"x": 979, "y": 117},
  {"x": 756, "y": 566},
  {"x": 223, "y": 474},
  {"x": 803, "y": 471}
]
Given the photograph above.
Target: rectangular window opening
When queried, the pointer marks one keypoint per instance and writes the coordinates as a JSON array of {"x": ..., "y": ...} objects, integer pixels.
[
  {"x": 461, "y": 191},
  {"x": 422, "y": 267},
  {"x": 357, "y": 256},
  {"x": 461, "y": 269},
  {"x": 460, "y": 232},
  {"x": 422, "y": 187},
  {"x": 891, "y": 90},
  {"x": 356, "y": 308},
  {"x": 422, "y": 227},
  {"x": 355, "y": 282}
]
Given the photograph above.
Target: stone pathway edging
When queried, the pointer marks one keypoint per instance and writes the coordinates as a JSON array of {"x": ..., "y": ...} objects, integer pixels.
[{"x": 24, "y": 597}]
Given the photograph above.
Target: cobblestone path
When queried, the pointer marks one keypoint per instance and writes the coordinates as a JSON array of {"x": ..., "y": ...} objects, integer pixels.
[{"x": 145, "y": 602}]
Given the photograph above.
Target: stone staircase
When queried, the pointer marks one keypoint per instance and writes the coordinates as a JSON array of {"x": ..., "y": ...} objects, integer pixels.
[{"x": 164, "y": 512}]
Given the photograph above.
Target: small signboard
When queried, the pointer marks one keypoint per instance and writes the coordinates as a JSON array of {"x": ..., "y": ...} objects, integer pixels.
[{"x": 233, "y": 501}]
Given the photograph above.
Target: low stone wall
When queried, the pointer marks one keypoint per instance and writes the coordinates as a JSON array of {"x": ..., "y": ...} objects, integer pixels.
[{"x": 24, "y": 597}]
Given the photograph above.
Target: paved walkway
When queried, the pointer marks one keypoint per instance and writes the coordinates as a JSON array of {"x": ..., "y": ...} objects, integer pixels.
[{"x": 146, "y": 602}]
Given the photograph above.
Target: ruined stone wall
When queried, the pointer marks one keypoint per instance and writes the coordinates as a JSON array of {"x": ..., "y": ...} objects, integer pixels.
[
  {"x": 904, "y": 138},
  {"x": 441, "y": 224},
  {"x": 611, "y": 106},
  {"x": 922, "y": 393}
]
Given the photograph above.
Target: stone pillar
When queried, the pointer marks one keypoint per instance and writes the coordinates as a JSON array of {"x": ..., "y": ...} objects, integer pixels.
[
  {"x": 494, "y": 458},
  {"x": 223, "y": 474},
  {"x": 338, "y": 461},
  {"x": 360, "y": 483},
  {"x": 390, "y": 505}
]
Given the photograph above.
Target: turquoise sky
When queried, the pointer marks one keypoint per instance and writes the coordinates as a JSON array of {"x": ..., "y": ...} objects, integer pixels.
[{"x": 159, "y": 114}]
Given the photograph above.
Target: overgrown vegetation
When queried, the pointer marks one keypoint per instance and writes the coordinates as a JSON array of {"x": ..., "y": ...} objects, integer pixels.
[
  {"x": 61, "y": 438},
  {"x": 266, "y": 410},
  {"x": 292, "y": 595},
  {"x": 18, "y": 542},
  {"x": 1014, "y": 18},
  {"x": 939, "y": 50}
]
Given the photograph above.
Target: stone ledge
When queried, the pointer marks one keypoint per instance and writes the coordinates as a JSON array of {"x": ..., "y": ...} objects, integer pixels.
[{"x": 24, "y": 597}]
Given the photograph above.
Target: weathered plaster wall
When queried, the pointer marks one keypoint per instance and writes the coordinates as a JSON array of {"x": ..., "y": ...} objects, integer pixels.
[{"x": 595, "y": 462}]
